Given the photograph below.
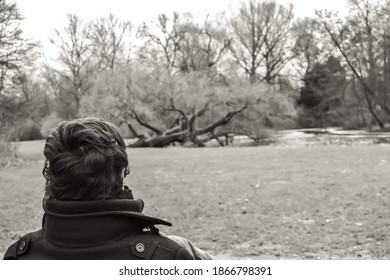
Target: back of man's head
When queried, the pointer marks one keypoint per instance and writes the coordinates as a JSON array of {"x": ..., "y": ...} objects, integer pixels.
[{"x": 85, "y": 160}]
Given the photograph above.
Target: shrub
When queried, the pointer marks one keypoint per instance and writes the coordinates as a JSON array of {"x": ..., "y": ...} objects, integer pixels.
[
  {"x": 29, "y": 131},
  {"x": 7, "y": 152},
  {"x": 48, "y": 123},
  {"x": 357, "y": 120}
]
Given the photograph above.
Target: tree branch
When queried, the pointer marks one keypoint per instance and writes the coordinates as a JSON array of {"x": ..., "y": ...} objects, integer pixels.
[
  {"x": 144, "y": 124},
  {"x": 225, "y": 120}
]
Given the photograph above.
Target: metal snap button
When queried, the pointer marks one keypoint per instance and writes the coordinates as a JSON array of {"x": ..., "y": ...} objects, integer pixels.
[
  {"x": 22, "y": 245},
  {"x": 140, "y": 247}
]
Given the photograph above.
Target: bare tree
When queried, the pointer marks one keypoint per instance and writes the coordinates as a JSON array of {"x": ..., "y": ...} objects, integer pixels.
[
  {"x": 277, "y": 51},
  {"x": 203, "y": 46},
  {"x": 16, "y": 55},
  {"x": 310, "y": 46},
  {"x": 74, "y": 49},
  {"x": 215, "y": 41},
  {"x": 110, "y": 39},
  {"x": 260, "y": 38},
  {"x": 15, "y": 51},
  {"x": 167, "y": 34}
]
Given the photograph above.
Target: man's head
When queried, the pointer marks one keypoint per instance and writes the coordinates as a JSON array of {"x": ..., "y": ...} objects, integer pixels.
[{"x": 85, "y": 160}]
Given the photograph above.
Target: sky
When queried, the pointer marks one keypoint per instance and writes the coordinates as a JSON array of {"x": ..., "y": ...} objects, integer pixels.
[{"x": 42, "y": 16}]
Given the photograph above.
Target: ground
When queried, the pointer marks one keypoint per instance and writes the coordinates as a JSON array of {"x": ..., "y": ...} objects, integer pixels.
[{"x": 318, "y": 202}]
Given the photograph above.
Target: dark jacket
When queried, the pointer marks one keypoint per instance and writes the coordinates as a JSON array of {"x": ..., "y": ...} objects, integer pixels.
[{"x": 105, "y": 229}]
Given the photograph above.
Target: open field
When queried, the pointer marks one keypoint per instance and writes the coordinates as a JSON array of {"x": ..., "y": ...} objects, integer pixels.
[{"x": 320, "y": 202}]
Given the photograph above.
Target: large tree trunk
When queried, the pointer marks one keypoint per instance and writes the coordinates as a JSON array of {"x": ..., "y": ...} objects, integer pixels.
[{"x": 159, "y": 141}]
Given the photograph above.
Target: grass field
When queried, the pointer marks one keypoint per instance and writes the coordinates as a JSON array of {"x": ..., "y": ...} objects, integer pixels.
[{"x": 242, "y": 203}]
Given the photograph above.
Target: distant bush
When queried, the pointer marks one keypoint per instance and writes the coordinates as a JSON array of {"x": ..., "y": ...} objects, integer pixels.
[
  {"x": 307, "y": 120},
  {"x": 262, "y": 133},
  {"x": 357, "y": 120},
  {"x": 29, "y": 131},
  {"x": 48, "y": 123},
  {"x": 7, "y": 151}
]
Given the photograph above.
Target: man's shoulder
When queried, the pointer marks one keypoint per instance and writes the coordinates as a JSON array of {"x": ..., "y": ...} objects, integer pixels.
[
  {"x": 148, "y": 245},
  {"x": 143, "y": 246},
  {"x": 21, "y": 246}
]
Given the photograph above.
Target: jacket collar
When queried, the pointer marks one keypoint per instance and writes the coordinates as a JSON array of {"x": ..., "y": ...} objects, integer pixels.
[{"x": 91, "y": 223}]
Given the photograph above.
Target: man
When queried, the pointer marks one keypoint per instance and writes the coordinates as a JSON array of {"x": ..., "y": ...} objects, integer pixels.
[{"x": 89, "y": 212}]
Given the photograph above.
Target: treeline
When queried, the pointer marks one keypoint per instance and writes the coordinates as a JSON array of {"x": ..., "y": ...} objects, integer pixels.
[{"x": 180, "y": 79}]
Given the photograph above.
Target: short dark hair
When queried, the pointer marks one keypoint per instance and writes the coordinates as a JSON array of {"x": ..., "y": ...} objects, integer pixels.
[{"x": 85, "y": 160}]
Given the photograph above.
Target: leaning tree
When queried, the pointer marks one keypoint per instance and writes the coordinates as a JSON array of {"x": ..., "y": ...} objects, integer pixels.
[{"x": 362, "y": 40}]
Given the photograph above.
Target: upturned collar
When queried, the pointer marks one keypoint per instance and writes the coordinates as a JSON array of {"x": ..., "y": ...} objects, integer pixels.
[{"x": 92, "y": 223}]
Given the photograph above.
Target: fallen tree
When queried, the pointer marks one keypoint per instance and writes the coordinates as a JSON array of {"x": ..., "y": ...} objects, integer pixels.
[
  {"x": 160, "y": 110},
  {"x": 184, "y": 131}
]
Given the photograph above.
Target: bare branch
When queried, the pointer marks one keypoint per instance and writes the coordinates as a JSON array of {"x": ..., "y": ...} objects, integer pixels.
[
  {"x": 144, "y": 124},
  {"x": 223, "y": 121}
]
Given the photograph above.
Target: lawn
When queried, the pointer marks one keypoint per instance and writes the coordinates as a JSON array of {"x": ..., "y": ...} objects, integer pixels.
[{"x": 320, "y": 202}]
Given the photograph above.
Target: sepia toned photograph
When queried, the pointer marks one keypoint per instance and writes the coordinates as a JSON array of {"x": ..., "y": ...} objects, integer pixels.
[{"x": 195, "y": 130}]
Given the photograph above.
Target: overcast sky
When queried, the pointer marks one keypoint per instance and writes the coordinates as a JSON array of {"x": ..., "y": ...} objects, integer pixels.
[{"x": 42, "y": 16}]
